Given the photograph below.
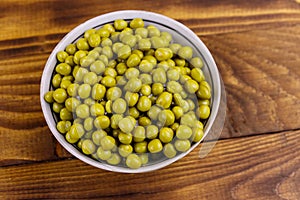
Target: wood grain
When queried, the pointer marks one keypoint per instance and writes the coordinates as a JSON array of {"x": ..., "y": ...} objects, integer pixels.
[{"x": 258, "y": 167}]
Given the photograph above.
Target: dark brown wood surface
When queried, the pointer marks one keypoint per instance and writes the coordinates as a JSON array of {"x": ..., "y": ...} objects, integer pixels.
[{"x": 256, "y": 47}]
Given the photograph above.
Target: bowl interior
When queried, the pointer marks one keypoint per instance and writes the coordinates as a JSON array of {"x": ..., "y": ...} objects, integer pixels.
[{"x": 181, "y": 34}]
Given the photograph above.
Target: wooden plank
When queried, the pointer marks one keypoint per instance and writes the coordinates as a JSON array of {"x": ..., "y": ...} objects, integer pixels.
[
  {"x": 257, "y": 167},
  {"x": 23, "y": 19}
]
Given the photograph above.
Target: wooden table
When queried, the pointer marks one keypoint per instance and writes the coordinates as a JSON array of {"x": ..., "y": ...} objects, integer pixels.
[{"x": 256, "y": 47}]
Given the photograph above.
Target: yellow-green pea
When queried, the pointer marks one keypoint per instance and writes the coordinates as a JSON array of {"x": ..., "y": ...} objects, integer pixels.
[
  {"x": 143, "y": 32},
  {"x": 157, "y": 89},
  {"x": 153, "y": 31},
  {"x": 125, "y": 149},
  {"x": 182, "y": 145},
  {"x": 90, "y": 78},
  {"x": 108, "y": 106},
  {"x": 82, "y": 111},
  {"x": 169, "y": 150},
  {"x": 114, "y": 159},
  {"x": 108, "y": 142},
  {"x": 80, "y": 74},
  {"x": 121, "y": 68},
  {"x": 84, "y": 91},
  {"x": 56, "y": 107},
  {"x": 113, "y": 93},
  {"x": 136, "y": 23},
  {"x": 203, "y": 111},
  {"x": 132, "y": 73},
  {"x": 125, "y": 138},
  {"x": 145, "y": 90},
  {"x": 131, "y": 98},
  {"x": 69, "y": 60},
  {"x": 94, "y": 40},
  {"x": 108, "y": 81},
  {"x": 98, "y": 67},
  {"x": 103, "y": 32},
  {"x": 61, "y": 56},
  {"x": 69, "y": 139},
  {"x": 144, "y": 44},
  {"x": 133, "y": 161},
  {"x": 139, "y": 134},
  {"x": 173, "y": 87},
  {"x": 191, "y": 86},
  {"x": 129, "y": 39},
  {"x": 173, "y": 75},
  {"x": 49, "y": 97},
  {"x": 155, "y": 146},
  {"x": 133, "y": 60},
  {"x": 185, "y": 52},
  {"x": 78, "y": 55},
  {"x": 197, "y": 75},
  {"x": 153, "y": 112},
  {"x": 76, "y": 131},
  {"x": 197, "y": 134},
  {"x": 82, "y": 44},
  {"x": 89, "y": 32},
  {"x": 178, "y": 111},
  {"x": 107, "y": 51},
  {"x": 106, "y": 42},
  {"x": 145, "y": 66},
  {"x": 56, "y": 80},
  {"x": 88, "y": 124},
  {"x": 98, "y": 135},
  {"x": 114, "y": 120},
  {"x": 120, "y": 24},
  {"x": 163, "y": 54},
  {"x": 104, "y": 59},
  {"x": 144, "y": 103},
  {"x": 204, "y": 91},
  {"x": 71, "y": 49},
  {"x": 88, "y": 147},
  {"x": 146, "y": 78},
  {"x": 166, "y": 134},
  {"x": 166, "y": 117},
  {"x": 71, "y": 104},
  {"x": 133, "y": 85},
  {"x": 140, "y": 147},
  {"x": 65, "y": 84},
  {"x": 174, "y": 126},
  {"x": 63, "y": 69},
  {"x": 157, "y": 42},
  {"x": 102, "y": 122},
  {"x": 144, "y": 121},
  {"x": 159, "y": 75},
  {"x": 134, "y": 112},
  {"x": 119, "y": 106},
  {"x": 196, "y": 62},
  {"x": 60, "y": 95},
  {"x": 184, "y": 132},
  {"x": 164, "y": 99},
  {"x": 86, "y": 61},
  {"x": 151, "y": 59},
  {"x": 144, "y": 158},
  {"x": 63, "y": 126},
  {"x": 116, "y": 46},
  {"x": 98, "y": 91},
  {"x": 151, "y": 131},
  {"x": 103, "y": 154},
  {"x": 124, "y": 52},
  {"x": 126, "y": 125}
]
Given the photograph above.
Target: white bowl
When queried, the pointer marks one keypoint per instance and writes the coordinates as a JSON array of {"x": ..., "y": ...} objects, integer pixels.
[{"x": 181, "y": 34}]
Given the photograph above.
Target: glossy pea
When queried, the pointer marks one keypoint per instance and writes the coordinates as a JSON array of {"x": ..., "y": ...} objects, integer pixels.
[
  {"x": 155, "y": 146},
  {"x": 60, "y": 95},
  {"x": 98, "y": 91},
  {"x": 166, "y": 134},
  {"x": 144, "y": 103},
  {"x": 139, "y": 134},
  {"x": 133, "y": 161},
  {"x": 119, "y": 106},
  {"x": 63, "y": 69},
  {"x": 126, "y": 125},
  {"x": 140, "y": 147},
  {"x": 98, "y": 135},
  {"x": 164, "y": 99},
  {"x": 103, "y": 154},
  {"x": 182, "y": 145},
  {"x": 169, "y": 150}
]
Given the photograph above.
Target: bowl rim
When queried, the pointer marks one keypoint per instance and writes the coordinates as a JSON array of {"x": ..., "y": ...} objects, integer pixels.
[{"x": 128, "y": 14}]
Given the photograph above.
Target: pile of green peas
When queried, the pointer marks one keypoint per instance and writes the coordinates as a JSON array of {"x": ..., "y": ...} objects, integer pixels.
[{"x": 128, "y": 95}]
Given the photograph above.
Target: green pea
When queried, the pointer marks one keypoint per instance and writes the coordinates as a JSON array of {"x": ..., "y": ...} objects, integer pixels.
[
  {"x": 108, "y": 142},
  {"x": 84, "y": 91},
  {"x": 153, "y": 112},
  {"x": 63, "y": 126},
  {"x": 133, "y": 85},
  {"x": 76, "y": 131},
  {"x": 86, "y": 61},
  {"x": 140, "y": 147},
  {"x": 133, "y": 60},
  {"x": 133, "y": 161},
  {"x": 103, "y": 154},
  {"x": 134, "y": 112},
  {"x": 82, "y": 44},
  {"x": 129, "y": 39},
  {"x": 102, "y": 122},
  {"x": 56, "y": 80},
  {"x": 125, "y": 149},
  {"x": 159, "y": 76},
  {"x": 182, "y": 145},
  {"x": 109, "y": 81},
  {"x": 90, "y": 78},
  {"x": 144, "y": 44},
  {"x": 196, "y": 62},
  {"x": 88, "y": 124},
  {"x": 82, "y": 111},
  {"x": 203, "y": 111},
  {"x": 144, "y": 121},
  {"x": 106, "y": 42},
  {"x": 185, "y": 52},
  {"x": 121, "y": 68},
  {"x": 61, "y": 56},
  {"x": 145, "y": 66},
  {"x": 166, "y": 117},
  {"x": 166, "y": 134},
  {"x": 63, "y": 69},
  {"x": 72, "y": 103},
  {"x": 78, "y": 55},
  {"x": 120, "y": 24},
  {"x": 94, "y": 54},
  {"x": 69, "y": 139},
  {"x": 89, "y": 32},
  {"x": 151, "y": 132},
  {"x": 145, "y": 90},
  {"x": 114, "y": 159},
  {"x": 80, "y": 74},
  {"x": 136, "y": 23},
  {"x": 88, "y": 147},
  {"x": 146, "y": 79},
  {"x": 191, "y": 86},
  {"x": 113, "y": 93},
  {"x": 98, "y": 91},
  {"x": 132, "y": 73},
  {"x": 164, "y": 99},
  {"x": 114, "y": 120},
  {"x": 169, "y": 150},
  {"x": 157, "y": 42},
  {"x": 144, "y": 104},
  {"x": 139, "y": 134},
  {"x": 69, "y": 61},
  {"x": 126, "y": 125},
  {"x": 197, "y": 75},
  {"x": 56, "y": 107},
  {"x": 184, "y": 132},
  {"x": 71, "y": 49},
  {"x": 97, "y": 136},
  {"x": 131, "y": 98},
  {"x": 144, "y": 158},
  {"x": 104, "y": 59},
  {"x": 167, "y": 37},
  {"x": 174, "y": 87},
  {"x": 119, "y": 106},
  {"x": 157, "y": 89},
  {"x": 175, "y": 47},
  {"x": 155, "y": 146},
  {"x": 94, "y": 40},
  {"x": 173, "y": 75},
  {"x": 60, "y": 95},
  {"x": 49, "y": 97},
  {"x": 197, "y": 134},
  {"x": 163, "y": 54},
  {"x": 143, "y": 32},
  {"x": 178, "y": 112},
  {"x": 153, "y": 31},
  {"x": 107, "y": 51}
]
